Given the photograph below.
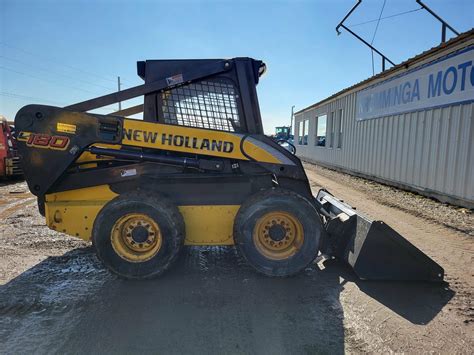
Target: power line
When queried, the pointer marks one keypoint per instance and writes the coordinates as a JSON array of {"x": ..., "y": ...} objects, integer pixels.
[
  {"x": 47, "y": 80},
  {"x": 55, "y": 73},
  {"x": 375, "y": 32},
  {"x": 58, "y": 62},
  {"x": 386, "y": 17},
  {"x": 32, "y": 98},
  {"x": 378, "y": 21},
  {"x": 28, "y": 98}
]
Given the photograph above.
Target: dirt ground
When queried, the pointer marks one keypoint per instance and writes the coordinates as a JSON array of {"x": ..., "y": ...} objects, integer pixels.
[{"x": 55, "y": 297}]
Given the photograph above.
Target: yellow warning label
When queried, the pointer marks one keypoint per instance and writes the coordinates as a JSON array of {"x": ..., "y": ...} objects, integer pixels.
[{"x": 66, "y": 128}]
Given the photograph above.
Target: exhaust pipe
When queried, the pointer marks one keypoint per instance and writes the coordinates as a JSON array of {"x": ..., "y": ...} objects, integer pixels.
[{"x": 373, "y": 249}]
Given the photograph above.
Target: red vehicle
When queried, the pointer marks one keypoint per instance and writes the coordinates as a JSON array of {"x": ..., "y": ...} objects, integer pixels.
[{"x": 9, "y": 159}]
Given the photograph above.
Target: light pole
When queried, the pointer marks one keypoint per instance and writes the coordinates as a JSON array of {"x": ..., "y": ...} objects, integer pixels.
[
  {"x": 291, "y": 120},
  {"x": 119, "y": 87}
]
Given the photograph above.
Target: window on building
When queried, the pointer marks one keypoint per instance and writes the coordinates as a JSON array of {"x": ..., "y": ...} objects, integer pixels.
[
  {"x": 306, "y": 132},
  {"x": 331, "y": 128},
  {"x": 339, "y": 128},
  {"x": 300, "y": 132},
  {"x": 321, "y": 122}
]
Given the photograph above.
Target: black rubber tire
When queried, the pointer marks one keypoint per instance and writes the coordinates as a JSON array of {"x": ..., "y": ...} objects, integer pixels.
[
  {"x": 167, "y": 216},
  {"x": 277, "y": 200}
]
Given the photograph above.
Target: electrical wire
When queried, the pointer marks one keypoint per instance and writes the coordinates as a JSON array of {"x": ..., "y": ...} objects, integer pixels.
[
  {"x": 28, "y": 98},
  {"x": 47, "y": 80},
  {"x": 39, "y": 99},
  {"x": 375, "y": 32},
  {"x": 386, "y": 17},
  {"x": 55, "y": 73},
  {"x": 58, "y": 62}
]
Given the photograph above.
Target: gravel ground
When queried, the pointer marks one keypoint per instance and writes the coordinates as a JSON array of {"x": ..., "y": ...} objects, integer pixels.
[
  {"x": 55, "y": 296},
  {"x": 453, "y": 217}
]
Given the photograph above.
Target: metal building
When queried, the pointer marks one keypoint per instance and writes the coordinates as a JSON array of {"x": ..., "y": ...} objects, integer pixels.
[{"x": 411, "y": 126}]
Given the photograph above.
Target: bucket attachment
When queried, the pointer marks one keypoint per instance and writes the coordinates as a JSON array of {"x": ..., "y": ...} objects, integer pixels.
[{"x": 373, "y": 249}]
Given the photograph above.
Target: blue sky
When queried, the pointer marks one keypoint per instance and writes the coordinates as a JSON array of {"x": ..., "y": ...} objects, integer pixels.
[{"x": 63, "y": 51}]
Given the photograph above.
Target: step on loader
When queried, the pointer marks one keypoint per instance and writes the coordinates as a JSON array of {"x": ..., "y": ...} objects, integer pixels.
[{"x": 197, "y": 170}]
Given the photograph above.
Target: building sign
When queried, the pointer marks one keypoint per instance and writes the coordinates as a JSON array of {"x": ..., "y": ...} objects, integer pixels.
[{"x": 447, "y": 81}]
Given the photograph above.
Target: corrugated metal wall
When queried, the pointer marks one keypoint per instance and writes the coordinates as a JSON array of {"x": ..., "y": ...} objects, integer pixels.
[{"x": 430, "y": 151}]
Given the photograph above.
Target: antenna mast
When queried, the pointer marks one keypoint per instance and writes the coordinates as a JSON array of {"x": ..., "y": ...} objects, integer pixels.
[
  {"x": 341, "y": 25},
  {"x": 444, "y": 24}
]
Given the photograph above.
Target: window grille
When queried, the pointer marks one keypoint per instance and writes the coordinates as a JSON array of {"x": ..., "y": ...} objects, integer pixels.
[{"x": 205, "y": 104}]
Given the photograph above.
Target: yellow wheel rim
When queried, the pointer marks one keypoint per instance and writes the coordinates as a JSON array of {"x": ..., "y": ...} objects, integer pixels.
[
  {"x": 278, "y": 235},
  {"x": 136, "y": 237}
]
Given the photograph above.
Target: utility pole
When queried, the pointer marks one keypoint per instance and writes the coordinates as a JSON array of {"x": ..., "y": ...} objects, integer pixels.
[
  {"x": 118, "y": 85},
  {"x": 291, "y": 124}
]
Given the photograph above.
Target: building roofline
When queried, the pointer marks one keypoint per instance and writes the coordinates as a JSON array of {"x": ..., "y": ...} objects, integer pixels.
[{"x": 465, "y": 36}]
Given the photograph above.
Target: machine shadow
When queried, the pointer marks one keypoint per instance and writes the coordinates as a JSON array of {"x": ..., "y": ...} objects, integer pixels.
[
  {"x": 210, "y": 302},
  {"x": 417, "y": 302}
]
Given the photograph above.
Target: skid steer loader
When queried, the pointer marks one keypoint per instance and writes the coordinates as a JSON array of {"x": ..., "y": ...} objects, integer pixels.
[{"x": 197, "y": 170}]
